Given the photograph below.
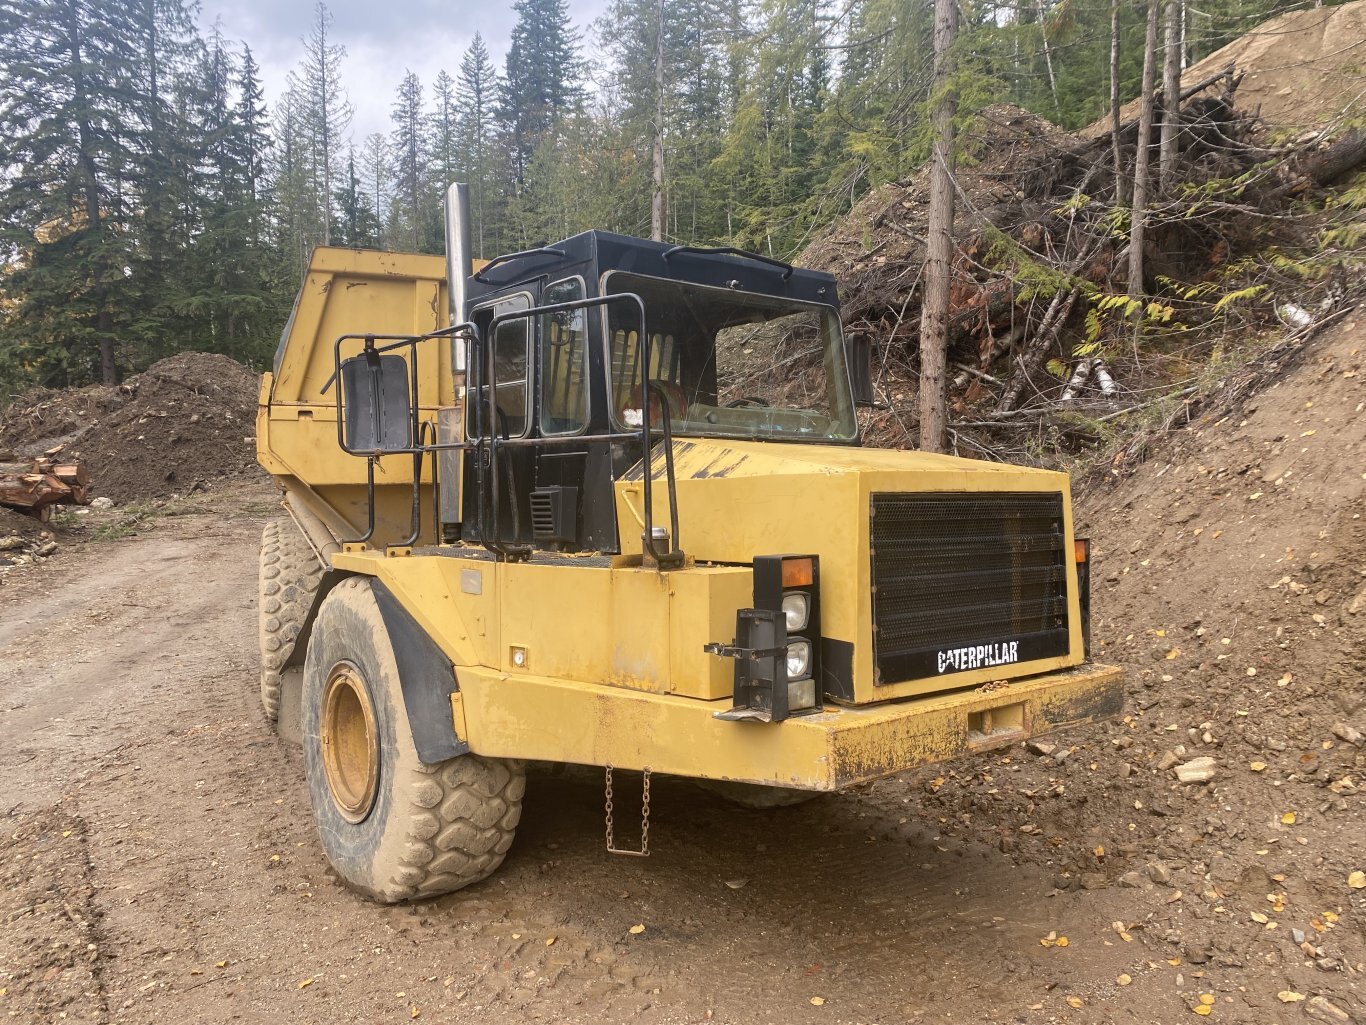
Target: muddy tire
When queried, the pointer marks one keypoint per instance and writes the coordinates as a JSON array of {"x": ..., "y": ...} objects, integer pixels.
[
  {"x": 756, "y": 795},
  {"x": 288, "y": 579},
  {"x": 392, "y": 827}
]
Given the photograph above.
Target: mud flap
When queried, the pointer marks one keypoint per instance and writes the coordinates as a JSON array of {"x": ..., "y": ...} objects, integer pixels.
[
  {"x": 425, "y": 674},
  {"x": 427, "y": 677}
]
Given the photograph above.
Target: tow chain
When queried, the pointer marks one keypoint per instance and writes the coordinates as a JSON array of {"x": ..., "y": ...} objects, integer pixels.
[{"x": 644, "y": 851}]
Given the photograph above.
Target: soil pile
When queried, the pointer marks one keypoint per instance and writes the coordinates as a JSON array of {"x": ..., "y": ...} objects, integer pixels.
[
  {"x": 42, "y": 418},
  {"x": 185, "y": 424},
  {"x": 878, "y": 248},
  {"x": 1230, "y": 581},
  {"x": 1033, "y": 240}
]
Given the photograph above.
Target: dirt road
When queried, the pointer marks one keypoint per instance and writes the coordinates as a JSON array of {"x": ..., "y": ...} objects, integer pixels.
[{"x": 160, "y": 863}]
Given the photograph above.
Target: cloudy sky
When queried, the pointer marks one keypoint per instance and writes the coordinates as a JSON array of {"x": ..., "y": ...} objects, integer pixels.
[{"x": 384, "y": 39}]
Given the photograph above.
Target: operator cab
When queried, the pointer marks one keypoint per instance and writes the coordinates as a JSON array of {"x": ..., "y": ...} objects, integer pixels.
[{"x": 738, "y": 346}]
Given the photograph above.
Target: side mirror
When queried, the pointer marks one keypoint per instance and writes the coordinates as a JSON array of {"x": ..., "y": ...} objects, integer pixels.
[
  {"x": 376, "y": 402},
  {"x": 859, "y": 350}
]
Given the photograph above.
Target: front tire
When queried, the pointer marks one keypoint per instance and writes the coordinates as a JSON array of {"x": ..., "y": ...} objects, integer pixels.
[{"x": 392, "y": 827}]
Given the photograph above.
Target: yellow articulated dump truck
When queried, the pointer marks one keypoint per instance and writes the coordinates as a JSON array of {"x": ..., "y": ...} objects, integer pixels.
[{"x": 604, "y": 503}]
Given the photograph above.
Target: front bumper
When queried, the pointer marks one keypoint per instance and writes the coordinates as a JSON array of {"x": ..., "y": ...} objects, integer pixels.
[{"x": 567, "y": 721}]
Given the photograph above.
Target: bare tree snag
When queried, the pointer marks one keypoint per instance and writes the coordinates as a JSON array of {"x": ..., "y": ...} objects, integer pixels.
[
  {"x": 934, "y": 315},
  {"x": 1114, "y": 102},
  {"x": 1047, "y": 52},
  {"x": 1141, "y": 159},
  {"x": 657, "y": 190},
  {"x": 1171, "y": 93}
]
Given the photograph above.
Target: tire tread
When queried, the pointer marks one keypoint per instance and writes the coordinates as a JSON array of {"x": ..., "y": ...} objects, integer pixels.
[{"x": 289, "y": 577}]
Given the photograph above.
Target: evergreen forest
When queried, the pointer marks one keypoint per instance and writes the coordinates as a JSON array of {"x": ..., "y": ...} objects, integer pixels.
[{"x": 153, "y": 198}]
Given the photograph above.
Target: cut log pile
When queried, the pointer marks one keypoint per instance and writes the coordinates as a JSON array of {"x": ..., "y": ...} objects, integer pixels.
[{"x": 35, "y": 486}]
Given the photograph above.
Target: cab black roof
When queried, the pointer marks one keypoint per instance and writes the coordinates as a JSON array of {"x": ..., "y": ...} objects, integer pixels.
[{"x": 592, "y": 254}]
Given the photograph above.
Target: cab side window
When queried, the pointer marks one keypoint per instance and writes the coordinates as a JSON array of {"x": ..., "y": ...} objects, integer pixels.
[
  {"x": 564, "y": 357},
  {"x": 511, "y": 349}
]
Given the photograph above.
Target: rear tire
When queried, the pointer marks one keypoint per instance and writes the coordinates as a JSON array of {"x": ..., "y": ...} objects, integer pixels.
[
  {"x": 757, "y": 795},
  {"x": 395, "y": 829},
  {"x": 288, "y": 580}
]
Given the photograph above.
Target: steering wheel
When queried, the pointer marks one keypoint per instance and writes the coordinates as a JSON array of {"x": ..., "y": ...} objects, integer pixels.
[{"x": 748, "y": 400}]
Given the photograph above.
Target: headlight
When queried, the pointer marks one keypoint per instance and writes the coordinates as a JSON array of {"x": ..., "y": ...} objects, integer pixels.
[
  {"x": 797, "y": 609},
  {"x": 798, "y": 659}
]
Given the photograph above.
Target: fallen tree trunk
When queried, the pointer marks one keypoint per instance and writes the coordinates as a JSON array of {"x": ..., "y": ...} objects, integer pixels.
[{"x": 1346, "y": 154}]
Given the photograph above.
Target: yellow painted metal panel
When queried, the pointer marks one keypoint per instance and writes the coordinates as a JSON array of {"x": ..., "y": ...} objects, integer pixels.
[
  {"x": 625, "y": 626},
  {"x": 454, "y": 599},
  {"x": 352, "y": 291},
  {"x": 704, "y": 603},
  {"x": 590, "y": 623},
  {"x": 562, "y": 721},
  {"x": 612, "y": 709},
  {"x": 355, "y": 291}
]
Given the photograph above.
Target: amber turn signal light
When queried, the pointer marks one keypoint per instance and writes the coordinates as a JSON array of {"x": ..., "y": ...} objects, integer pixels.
[
  {"x": 1081, "y": 550},
  {"x": 798, "y": 573}
]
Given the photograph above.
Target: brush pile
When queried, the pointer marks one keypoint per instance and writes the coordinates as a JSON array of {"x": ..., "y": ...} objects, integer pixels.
[{"x": 1039, "y": 296}]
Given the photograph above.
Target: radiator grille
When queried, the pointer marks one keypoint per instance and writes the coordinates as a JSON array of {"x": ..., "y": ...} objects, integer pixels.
[{"x": 963, "y": 581}]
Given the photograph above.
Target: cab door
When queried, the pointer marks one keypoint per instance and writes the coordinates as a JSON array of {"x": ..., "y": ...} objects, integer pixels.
[
  {"x": 560, "y": 497},
  {"x": 499, "y": 492}
]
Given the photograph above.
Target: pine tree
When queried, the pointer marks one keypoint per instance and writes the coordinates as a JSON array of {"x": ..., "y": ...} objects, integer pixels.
[
  {"x": 478, "y": 85},
  {"x": 444, "y": 126},
  {"x": 323, "y": 110},
  {"x": 252, "y": 141},
  {"x": 228, "y": 299},
  {"x": 296, "y": 211},
  {"x": 659, "y": 58},
  {"x": 869, "y": 132},
  {"x": 69, "y": 90},
  {"x": 542, "y": 77},
  {"x": 165, "y": 155},
  {"x": 410, "y": 160},
  {"x": 375, "y": 179},
  {"x": 356, "y": 223},
  {"x": 444, "y": 153},
  {"x": 771, "y": 147}
]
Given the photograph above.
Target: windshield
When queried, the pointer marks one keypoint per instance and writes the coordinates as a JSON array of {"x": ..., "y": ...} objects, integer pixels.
[{"x": 735, "y": 364}]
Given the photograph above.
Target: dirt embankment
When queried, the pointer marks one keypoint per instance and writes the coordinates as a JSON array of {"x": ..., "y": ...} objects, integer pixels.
[
  {"x": 1231, "y": 582},
  {"x": 1040, "y": 267}
]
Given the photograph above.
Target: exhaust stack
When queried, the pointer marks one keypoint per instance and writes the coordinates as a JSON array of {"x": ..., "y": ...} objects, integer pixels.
[
  {"x": 458, "y": 259},
  {"x": 450, "y": 420}
]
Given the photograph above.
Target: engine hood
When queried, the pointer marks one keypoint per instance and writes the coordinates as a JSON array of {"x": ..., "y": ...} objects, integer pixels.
[{"x": 740, "y": 499}]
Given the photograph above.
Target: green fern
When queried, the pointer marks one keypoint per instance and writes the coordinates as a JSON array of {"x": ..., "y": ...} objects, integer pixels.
[{"x": 1252, "y": 291}]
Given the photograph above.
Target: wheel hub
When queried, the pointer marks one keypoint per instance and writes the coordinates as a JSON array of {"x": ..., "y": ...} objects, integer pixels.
[{"x": 350, "y": 744}]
